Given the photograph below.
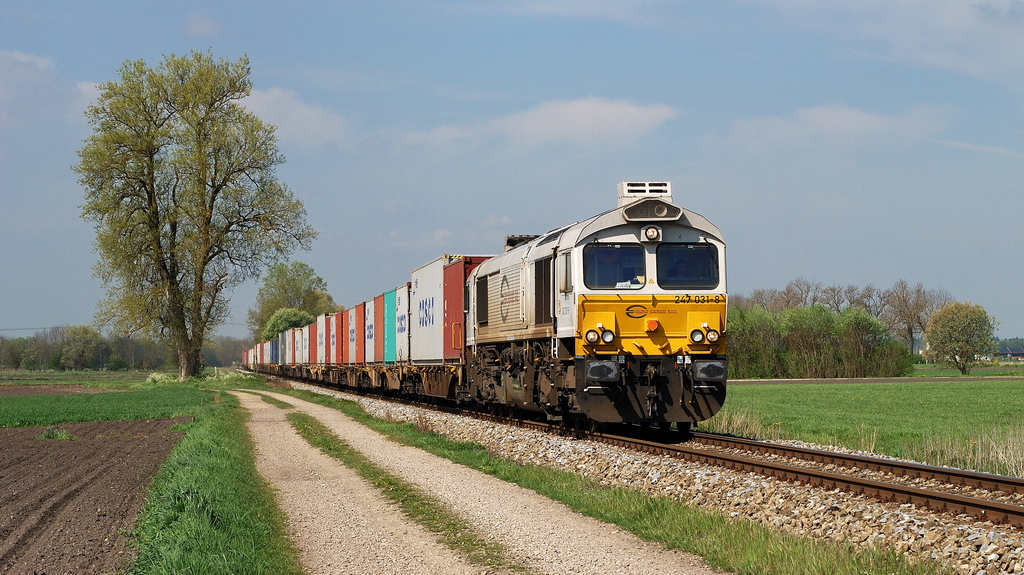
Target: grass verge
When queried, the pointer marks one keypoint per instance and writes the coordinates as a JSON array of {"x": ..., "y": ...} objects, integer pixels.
[
  {"x": 421, "y": 508},
  {"x": 208, "y": 510},
  {"x": 973, "y": 424},
  {"x": 739, "y": 546}
]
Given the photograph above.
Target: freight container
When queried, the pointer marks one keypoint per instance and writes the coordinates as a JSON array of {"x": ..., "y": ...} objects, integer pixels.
[
  {"x": 429, "y": 334},
  {"x": 379, "y": 330},
  {"x": 340, "y": 336},
  {"x": 302, "y": 351},
  {"x": 275, "y": 350},
  {"x": 389, "y": 327},
  {"x": 456, "y": 299},
  {"x": 426, "y": 296},
  {"x": 401, "y": 324},
  {"x": 312, "y": 332},
  {"x": 282, "y": 347},
  {"x": 370, "y": 332},
  {"x": 289, "y": 358},
  {"x": 356, "y": 337},
  {"x": 323, "y": 339}
]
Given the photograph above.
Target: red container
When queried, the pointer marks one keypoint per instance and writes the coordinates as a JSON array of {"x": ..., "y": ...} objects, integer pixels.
[
  {"x": 356, "y": 336},
  {"x": 455, "y": 276}
]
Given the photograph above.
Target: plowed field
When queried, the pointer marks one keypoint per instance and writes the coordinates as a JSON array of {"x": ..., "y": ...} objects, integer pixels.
[{"x": 65, "y": 504}]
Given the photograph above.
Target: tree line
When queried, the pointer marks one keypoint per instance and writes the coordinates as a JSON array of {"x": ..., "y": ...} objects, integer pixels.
[
  {"x": 810, "y": 330},
  {"x": 82, "y": 347}
]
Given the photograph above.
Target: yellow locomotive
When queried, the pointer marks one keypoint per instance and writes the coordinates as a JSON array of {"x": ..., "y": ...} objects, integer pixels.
[{"x": 617, "y": 318}]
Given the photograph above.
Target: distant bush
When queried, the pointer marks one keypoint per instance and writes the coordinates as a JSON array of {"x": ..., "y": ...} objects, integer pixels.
[{"x": 812, "y": 342}]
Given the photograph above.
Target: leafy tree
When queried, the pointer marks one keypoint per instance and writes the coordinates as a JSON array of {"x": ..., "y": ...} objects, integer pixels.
[
  {"x": 808, "y": 340},
  {"x": 83, "y": 347},
  {"x": 755, "y": 343},
  {"x": 12, "y": 351},
  {"x": 959, "y": 333},
  {"x": 286, "y": 318},
  {"x": 294, "y": 285},
  {"x": 180, "y": 184}
]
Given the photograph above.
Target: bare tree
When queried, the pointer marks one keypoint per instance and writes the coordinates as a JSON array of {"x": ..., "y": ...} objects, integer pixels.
[
  {"x": 834, "y": 297},
  {"x": 804, "y": 292},
  {"x": 909, "y": 310}
]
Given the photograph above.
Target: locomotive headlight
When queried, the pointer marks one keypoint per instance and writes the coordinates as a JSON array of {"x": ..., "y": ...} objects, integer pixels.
[
  {"x": 607, "y": 336},
  {"x": 592, "y": 336},
  {"x": 652, "y": 233},
  {"x": 712, "y": 336},
  {"x": 697, "y": 336}
]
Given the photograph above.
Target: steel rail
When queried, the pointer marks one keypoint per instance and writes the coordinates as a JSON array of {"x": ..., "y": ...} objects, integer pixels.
[
  {"x": 949, "y": 475},
  {"x": 984, "y": 509}
]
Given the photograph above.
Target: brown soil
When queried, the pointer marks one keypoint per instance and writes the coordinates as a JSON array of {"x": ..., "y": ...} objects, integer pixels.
[
  {"x": 66, "y": 504},
  {"x": 12, "y": 390}
]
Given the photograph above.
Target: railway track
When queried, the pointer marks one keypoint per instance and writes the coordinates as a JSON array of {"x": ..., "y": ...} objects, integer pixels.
[
  {"x": 762, "y": 458},
  {"x": 808, "y": 466}
]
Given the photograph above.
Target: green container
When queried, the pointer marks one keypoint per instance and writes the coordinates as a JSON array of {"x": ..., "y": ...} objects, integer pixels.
[{"x": 389, "y": 327}]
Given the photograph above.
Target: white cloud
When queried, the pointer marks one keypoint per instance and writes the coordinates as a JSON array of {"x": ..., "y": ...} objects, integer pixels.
[
  {"x": 40, "y": 62},
  {"x": 201, "y": 25},
  {"x": 999, "y": 151},
  {"x": 982, "y": 38},
  {"x": 585, "y": 121},
  {"x": 28, "y": 87},
  {"x": 834, "y": 126},
  {"x": 297, "y": 121},
  {"x": 86, "y": 94},
  {"x": 590, "y": 120},
  {"x": 632, "y": 12}
]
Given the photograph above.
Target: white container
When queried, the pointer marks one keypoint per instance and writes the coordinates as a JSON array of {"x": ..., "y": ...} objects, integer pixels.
[
  {"x": 303, "y": 351},
  {"x": 321, "y": 339},
  {"x": 401, "y": 323},
  {"x": 426, "y": 312},
  {"x": 371, "y": 333}
]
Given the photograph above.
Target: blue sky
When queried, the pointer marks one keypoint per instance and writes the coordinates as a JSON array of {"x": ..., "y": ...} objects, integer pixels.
[{"x": 840, "y": 142}]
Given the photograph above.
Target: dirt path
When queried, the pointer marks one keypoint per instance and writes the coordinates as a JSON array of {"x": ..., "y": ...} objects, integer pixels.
[{"x": 343, "y": 526}]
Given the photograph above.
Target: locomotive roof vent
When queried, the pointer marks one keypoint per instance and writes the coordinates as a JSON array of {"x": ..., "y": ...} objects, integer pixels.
[
  {"x": 512, "y": 242},
  {"x": 630, "y": 192}
]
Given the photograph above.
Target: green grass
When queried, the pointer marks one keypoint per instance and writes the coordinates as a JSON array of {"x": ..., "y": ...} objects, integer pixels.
[
  {"x": 420, "y": 507},
  {"x": 106, "y": 379},
  {"x": 985, "y": 370},
  {"x": 55, "y": 433},
  {"x": 917, "y": 419},
  {"x": 154, "y": 403},
  {"x": 733, "y": 545},
  {"x": 208, "y": 510}
]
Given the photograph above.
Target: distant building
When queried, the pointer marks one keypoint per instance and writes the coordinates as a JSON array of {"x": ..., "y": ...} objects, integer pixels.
[{"x": 1011, "y": 353}]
